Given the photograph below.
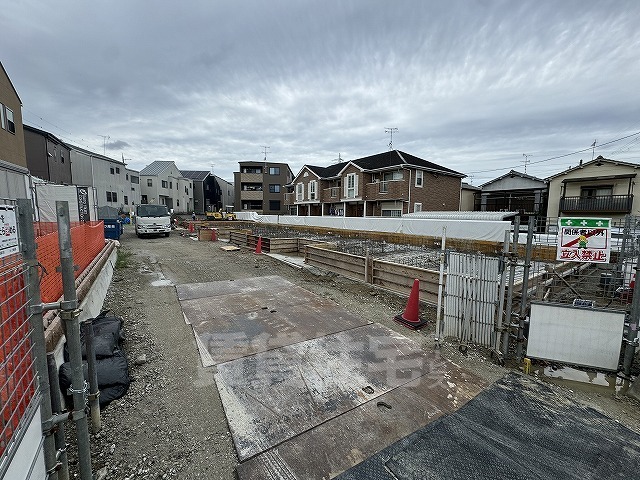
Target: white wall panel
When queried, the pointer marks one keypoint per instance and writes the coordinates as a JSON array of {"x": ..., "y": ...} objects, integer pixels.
[{"x": 590, "y": 337}]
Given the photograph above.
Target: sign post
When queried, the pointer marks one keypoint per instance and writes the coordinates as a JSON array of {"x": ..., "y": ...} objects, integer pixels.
[{"x": 584, "y": 240}]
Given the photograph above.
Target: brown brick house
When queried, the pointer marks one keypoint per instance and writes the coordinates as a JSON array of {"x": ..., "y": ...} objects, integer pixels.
[{"x": 387, "y": 184}]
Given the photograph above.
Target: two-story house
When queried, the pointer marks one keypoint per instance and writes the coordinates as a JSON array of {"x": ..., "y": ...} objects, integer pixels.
[
  {"x": 387, "y": 184},
  {"x": 260, "y": 187},
  {"x": 515, "y": 192},
  {"x": 599, "y": 188},
  {"x": 162, "y": 183},
  {"x": 210, "y": 192},
  {"x": 47, "y": 156},
  {"x": 14, "y": 175},
  {"x": 111, "y": 178}
]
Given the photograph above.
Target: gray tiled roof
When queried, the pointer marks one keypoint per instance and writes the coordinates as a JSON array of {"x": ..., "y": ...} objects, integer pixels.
[{"x": 156, "y": 168}]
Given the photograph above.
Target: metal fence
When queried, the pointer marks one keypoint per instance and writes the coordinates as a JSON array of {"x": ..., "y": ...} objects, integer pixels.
[{"x": 17, "y": 380}]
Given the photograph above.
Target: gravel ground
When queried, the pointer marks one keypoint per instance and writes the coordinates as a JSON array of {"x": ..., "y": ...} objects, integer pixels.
[{"x": 171, "y": 424}]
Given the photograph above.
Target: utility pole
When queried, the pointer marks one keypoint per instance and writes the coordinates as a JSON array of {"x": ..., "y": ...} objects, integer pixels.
[
  {"x": 593, "y": 149},
  {"x": 526, "y": 161},
  {"x": 390, "y": 130}
]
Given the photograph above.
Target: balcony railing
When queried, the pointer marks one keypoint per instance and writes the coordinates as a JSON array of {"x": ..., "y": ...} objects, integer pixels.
[
  {"x": 332, "y": 192},
  {"x": 605, "y": 203}
]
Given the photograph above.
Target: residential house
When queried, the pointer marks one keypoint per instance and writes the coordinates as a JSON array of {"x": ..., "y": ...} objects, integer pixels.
[
  {"x": 14, "y": 175},
  {"x": 260, "y": 187},
  {"x": 133, "y": 177},
  {"x": 47, "y": 156},
  {"x": 599, "y": 188},
  {"x": 110, "y": 177},
  {"x": 387, "y": 184},
  {"x": 469, "y": 197},
  {"x": 515, "y": 192},
  {"x": 162, "y": 183},
  {"x": 210, "y": 193}
]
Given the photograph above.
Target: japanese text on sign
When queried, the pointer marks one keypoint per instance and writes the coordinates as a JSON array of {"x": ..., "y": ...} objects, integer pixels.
[{"x": 584, "y": 240}]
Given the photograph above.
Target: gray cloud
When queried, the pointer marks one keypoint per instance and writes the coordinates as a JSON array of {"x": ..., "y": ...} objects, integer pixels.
[{"x": 471, "y": 85}]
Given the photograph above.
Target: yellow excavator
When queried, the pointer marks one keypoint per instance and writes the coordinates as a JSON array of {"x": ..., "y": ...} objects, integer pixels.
[{"x": 228, "y": 214}]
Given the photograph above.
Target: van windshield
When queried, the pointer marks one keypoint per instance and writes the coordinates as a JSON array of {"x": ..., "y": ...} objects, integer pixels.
[{"x": 152, "y": 211}]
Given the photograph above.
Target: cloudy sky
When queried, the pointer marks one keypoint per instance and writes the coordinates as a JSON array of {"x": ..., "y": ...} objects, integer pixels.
[{"x": 479, "y": 86}]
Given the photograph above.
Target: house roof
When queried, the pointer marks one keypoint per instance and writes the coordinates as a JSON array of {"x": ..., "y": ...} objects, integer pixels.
[
  {"x": 156, "y": 168},
  {"x": 93, "y": 154},
  {"x": 382, "y": 161},
  {"x": 44, "y": 133},
  {"x": 197, "y": 175},
  {"x": 599, "y": 160},
  {"x": 10, "y": 83},
  {"x": 467, "y": 186},
  {"x": 512, "y": 174}
]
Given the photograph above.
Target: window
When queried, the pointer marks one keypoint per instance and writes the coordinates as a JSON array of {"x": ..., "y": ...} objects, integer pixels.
[
  {"x": 11, "y": 127},
  {"x": 171, "y": 185},
  {"x": 600, "y": 191},
  {"x": 2, "y": 121},
  {"x": 165, "y": 184},
  {"x": 417, "y": 207},
  {"x": 135, "y": 179},
  {"x": 391, "y": 209},
  {"x": 109, "y": 197},
  {"x": 274, "y": 170},
  {"x": 299, "y": 192},
  {"x": 312, "y": 190},
  {"x": 177, "y": 203},
  {"x": 351, "y": 187},
  {"x": 143, "y": 199},
  {"x": 61, "y": 158},
  {"x": 117, "y": 169},
  {"x": 127, "y": 176},
  {"x": 274, "y": 205},
  {"x": 274, "y": 188},
  {"x": 149, "y": 182},
  {"x": 395, "y": 175},
  {"x": 112, "y": 197},
  {"x": 419, "y": 178},
  {"x": 126, "y": 200},
  {"x": 111, "y": 171},
  {"x": 186, "y": 190}
]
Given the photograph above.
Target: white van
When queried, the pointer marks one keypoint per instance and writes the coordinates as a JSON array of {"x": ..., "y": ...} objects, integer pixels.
[{"x": 152, "y": 220}]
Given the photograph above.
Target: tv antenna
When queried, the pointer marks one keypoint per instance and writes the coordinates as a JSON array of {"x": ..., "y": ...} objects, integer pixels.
[
  {"x": 390, "y": 130},
  {"x": 526, "y": 161},
  {"x": 593, "y": 149},
  {"x": 104, "y": 143},
  {"x": 265, "y": 149}
]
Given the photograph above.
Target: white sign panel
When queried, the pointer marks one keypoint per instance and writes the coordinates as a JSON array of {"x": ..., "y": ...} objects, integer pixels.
[
  {"x": 8, "y": 231},
  {"x": 584, "y": 240},
  {"x": 591, "y": 337}
]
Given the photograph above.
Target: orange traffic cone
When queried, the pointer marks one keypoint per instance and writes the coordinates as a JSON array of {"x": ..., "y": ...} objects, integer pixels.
[
  {"x": 259, "y": 246},
  {"x": 410, "y": 317}
]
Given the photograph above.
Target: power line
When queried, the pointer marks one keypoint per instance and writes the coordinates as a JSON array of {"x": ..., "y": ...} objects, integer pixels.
[{"x": 560, "y": 156}]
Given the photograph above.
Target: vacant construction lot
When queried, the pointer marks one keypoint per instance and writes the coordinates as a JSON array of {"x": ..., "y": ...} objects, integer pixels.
[{"x": 171, "y": 424}]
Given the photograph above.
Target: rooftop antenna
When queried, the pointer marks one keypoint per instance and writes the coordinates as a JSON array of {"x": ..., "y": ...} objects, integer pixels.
[
  {"x": 338, "y": 160},
  {"x": 390, "y": 130},
  {"x": 526, "y": 161},
  {"x": 104, "y": 143},
  {"x": 470, "y": 179},
  {"x": 264, "y": 151},
  {"x": 593, "y": 149}
]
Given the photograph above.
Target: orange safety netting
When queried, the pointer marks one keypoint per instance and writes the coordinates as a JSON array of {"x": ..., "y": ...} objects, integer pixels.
[{"x": 87, "y": 241}]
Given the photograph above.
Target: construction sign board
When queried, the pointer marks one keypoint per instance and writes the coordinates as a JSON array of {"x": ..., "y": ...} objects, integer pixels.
[
  {"x": 584, "y": 240},
  {"x": 8, "y": 231}
]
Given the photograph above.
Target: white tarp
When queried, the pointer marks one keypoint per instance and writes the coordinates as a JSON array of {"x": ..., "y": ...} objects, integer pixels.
[
  {"x": 491, "y": 231},
  {"x": 48, "y": 193}
]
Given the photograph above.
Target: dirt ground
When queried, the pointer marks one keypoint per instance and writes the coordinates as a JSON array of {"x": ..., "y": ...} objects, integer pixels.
[{"x": 171, "y": 424}]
